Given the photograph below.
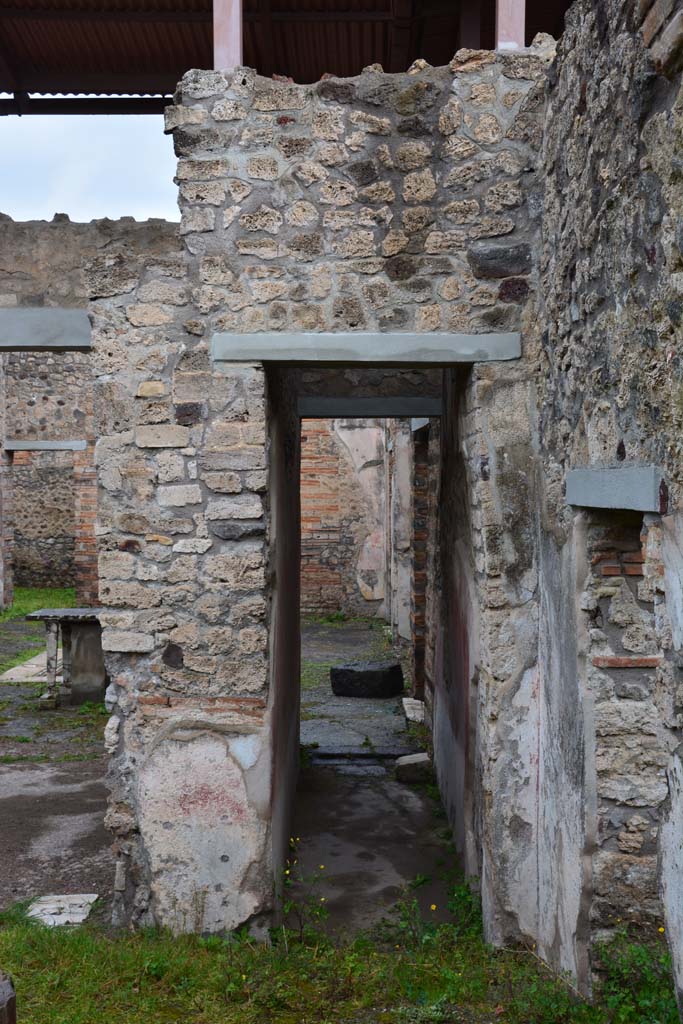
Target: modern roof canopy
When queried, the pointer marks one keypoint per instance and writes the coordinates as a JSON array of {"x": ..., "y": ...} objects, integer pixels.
[{"x": 126, "y": 56}]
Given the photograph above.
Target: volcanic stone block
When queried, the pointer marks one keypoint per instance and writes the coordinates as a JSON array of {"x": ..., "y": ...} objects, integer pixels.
[
  {"x": 367, "y": 679},
  {"x": 499, "y": 259}
]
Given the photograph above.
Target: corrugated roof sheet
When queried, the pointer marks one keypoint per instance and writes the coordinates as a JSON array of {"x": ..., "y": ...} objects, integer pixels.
[{"x": 145, "y": 46}]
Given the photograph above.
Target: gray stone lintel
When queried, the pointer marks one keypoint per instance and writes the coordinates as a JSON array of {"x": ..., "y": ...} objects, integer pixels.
[
  {"x": 437, "y": 349},
  {"x": 635, "y": 488},
  {"x": 368, "y": 408},
  {"x": 44, "y": 329},
  {"x": 11, "y": 445},
  {"x": 65, "y": 615}
]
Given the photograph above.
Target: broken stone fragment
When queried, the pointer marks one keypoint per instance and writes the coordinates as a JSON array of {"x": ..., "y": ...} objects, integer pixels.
[
  {"x": 414, "y": 768},
  {"x": 59, "y": 910},
  {"x": 367, "y": 679},
  {"x": 8, "y": 1001},
  {"x": 414, "y": 709}
]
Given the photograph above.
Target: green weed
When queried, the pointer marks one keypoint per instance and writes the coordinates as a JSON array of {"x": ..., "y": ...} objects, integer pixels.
[{"x": 414, "y": 972}]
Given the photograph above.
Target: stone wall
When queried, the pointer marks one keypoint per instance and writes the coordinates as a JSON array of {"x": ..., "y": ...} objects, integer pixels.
[
  {"x": 44, "y": 527},
  {"x": 382, "y": 202},
  {"x": 49, "y": 395},
  {"x": 610, "y": 394},
  {"x": 343, "y": 517}
]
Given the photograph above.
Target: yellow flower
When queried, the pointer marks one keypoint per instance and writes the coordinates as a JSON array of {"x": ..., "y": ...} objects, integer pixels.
[
  {"x": 287, "y": 871},
  {"x": 661, "y": 931},
  {"x": 322, "y": 899},
  {"x": 321, "y": 866},
  {"x": 433, "y": 906}
]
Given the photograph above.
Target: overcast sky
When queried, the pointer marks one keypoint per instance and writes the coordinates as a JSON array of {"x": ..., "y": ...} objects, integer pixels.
[{"x": 90, "y": 166}]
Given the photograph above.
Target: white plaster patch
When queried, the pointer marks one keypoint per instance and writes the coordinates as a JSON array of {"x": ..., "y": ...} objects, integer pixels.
[
  {"x": 202, "y": 834},
  {"x": 245, "y": 750},
  {"x": 59, "y": 910}
]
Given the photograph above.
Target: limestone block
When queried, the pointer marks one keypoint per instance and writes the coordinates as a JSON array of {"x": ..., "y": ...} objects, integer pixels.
[
  {"x": 328, "y": 124},
  {"x": 414, "y": 768},
  {"x": 263, "y": 167},
  {"x": 181, "y": 494},
  {"x": 132, "y": 595},
  {"x": 202, "y": 170},
  {"x": 264, "y": 218},
  {"x": 148, "y": 315},
  {"x": 163, "y": 292},
  {"x": 241, "y": 571},
  {"x": 228, "y": 110},
  {"x": 241, "y": 506},
  {"x": 162, "y": 436},
  {"x": 338, "y": 193},
  {"x": 178, "y": 115},
  {"x": 378, "y": 192},
  {"x": 411, "y": 156},
  {"x": 419, "y": 186},
  {"x": 116, "y": 565},
  {"x": 202, "y": 84},
  {"x": 280, "y": 96},
  {"x": 197, "y": 219},
  {"x": 126, "y": 641},
  {"x": 302, "y": 214},
  {"x": 370, "y": 123},
  {"x": 213, "y": 192},
  {"x": 224, "y": 483}
]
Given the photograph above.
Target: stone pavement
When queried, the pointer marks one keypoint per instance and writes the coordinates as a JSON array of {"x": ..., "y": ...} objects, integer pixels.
[
  {"x": 333, "y": 725},
  {"x": 374, "y": 836},
  {"x": 52, "y": 792}
]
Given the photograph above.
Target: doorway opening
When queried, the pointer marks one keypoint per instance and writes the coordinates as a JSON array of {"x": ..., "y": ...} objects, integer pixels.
[{"x": 368, "y": 828}]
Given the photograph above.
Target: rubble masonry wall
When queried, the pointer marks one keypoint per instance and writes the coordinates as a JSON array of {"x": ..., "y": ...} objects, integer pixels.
[
  {"x": 49, "y": 395},
  {"x": 382, "y": 202}
]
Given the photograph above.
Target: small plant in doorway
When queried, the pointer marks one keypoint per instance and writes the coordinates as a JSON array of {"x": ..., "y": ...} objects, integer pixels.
[{"x": 303, "y": 905}]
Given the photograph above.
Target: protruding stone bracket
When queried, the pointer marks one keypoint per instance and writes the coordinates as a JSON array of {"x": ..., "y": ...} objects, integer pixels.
[
  {"x": 362, "y": 347},
  {"x": 324, "y": 407},
  {"x": 44, "y": 329},
  {"x": 631, "y": 488}
]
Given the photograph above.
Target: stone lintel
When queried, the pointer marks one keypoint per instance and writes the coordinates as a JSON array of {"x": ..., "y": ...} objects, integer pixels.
[
  {"x": 44, "y": 329},
  {"x": 635, "y": 488},
  {"x": 436, "y": 349},
  {"x": 65, "y": 614},
  {"x": 371, "y": 408},
  {"x": 11, "y": 445}
]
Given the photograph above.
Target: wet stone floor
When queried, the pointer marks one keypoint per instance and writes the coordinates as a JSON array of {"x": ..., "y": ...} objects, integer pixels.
[
  {"x": 52, "y": 793},
  {"x": 363, "y": 841}
]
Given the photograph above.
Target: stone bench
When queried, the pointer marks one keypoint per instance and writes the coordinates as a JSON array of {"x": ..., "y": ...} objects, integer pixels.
[
  {"x": 83, "y": 673},
  {"x": 8, "y": 1001}
]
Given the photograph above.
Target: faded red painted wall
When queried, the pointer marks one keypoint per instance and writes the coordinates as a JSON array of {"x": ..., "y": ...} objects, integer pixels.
[{"x": 343, "y": 517}]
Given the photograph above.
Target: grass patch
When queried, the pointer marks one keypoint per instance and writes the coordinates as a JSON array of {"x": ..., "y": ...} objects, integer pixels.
[
  {"x": 406, "y": 972},
  {"x": 27, "y": 600},
  {"x": 32, "y": 599},
  {"x": 314, "y": 674},
  {"x": 24, "y": 758}
]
